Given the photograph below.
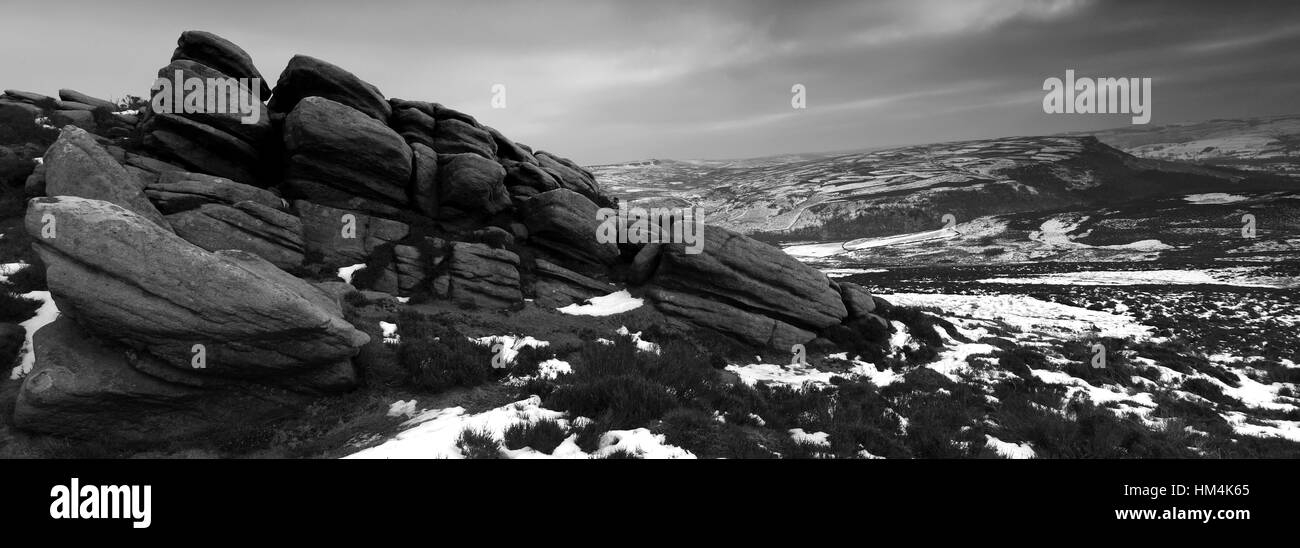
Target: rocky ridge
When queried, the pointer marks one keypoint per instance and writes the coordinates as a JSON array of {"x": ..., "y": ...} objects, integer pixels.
[{"x": 193, "y": 259}]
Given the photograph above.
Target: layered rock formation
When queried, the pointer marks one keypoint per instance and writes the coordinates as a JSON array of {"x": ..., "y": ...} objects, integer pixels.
[{"x": 203, "y": 236}]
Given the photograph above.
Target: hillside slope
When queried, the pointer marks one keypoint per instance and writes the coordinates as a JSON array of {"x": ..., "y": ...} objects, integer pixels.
[
  {"x": 1270, "y": 145},
  {"x": 911, "y": 189}
]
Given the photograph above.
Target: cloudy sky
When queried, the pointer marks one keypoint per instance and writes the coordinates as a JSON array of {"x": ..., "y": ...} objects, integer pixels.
[{"x": 609, "y": 81}]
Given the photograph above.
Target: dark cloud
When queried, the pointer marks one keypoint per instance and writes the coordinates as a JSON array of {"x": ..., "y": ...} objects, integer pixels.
[{"x": 610, "y": 81}]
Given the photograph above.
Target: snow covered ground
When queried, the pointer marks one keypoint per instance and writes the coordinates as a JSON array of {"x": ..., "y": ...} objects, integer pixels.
[
  {"x": 1025, "y": 314},
  {"x": 1214, "y": 198},
  {"x": 433, "y": 433},
  {"x": 830, "y": 249},
  {"x": 1062, "y": 231},
  {"x": 1239, "y": 276}
]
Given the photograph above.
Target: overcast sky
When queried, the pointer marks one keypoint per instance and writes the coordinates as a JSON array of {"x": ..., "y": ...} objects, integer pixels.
[{"x": 607, "y": 81}]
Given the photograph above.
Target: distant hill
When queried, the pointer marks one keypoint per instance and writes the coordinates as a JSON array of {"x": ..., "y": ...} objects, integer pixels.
[
  {"x": 1256, "y": 144},
  {"x": 910, "y": 189}
]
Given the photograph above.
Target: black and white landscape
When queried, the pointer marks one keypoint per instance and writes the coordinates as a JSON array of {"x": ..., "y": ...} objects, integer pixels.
[{"x": 914, "y": 260}]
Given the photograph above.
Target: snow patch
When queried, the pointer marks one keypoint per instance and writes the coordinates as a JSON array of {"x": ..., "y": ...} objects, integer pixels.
[
  {"x": 1009, "y": 450},
  {"x": 607, "y": 305},
  {"x": 9, "y": 269},
  {"x": 1027, "y": 314},
  {"x": 390, "y": 333},
  {"x": 642, "y": 345},
  {"x": 819, "y": 439},
  {"x": 553, "y": 368},
  {"x": 44, "y": 315},
  {"x": 401, "y": 408},
  {"x": 347, "y": 272},
  {"x": 842, "y": 272},
  {"x": 511, "y": 344},
  {"x": 1214, "y": 198},
  {"x": 432, "y": 434},
  {"x": 640, "y": 442}
]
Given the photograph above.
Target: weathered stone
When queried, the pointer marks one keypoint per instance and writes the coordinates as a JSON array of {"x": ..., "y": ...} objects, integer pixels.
[
  {"x": 414, "y": 125},
  {"x": 753, "y": 276},
  {"x": 203, "y": 148},
  {"x": 508, "y": 151},
  {"x": 573, "y": 177},
  {"x": 483, "y": 276},
  {"x": 332, "y": 144},
  {"x": 566, "y": 223},
  {"x": 857, "y": 300},
  {"x": 247, "y": 226},
  {"x": 690, "y": 311},
  {"x": 411, "y": 266},
  {"x": 74, "y": 106},
  {"x": 644, "y": 264},
  {"x": 220, "y": 54},
  {"x": 36, "y": 99},
  {"x": 342, "y": 199},
  {"x": 434, "y": 110},
  {"x": 530, "y": 176},
  {"x": 307, "y": 77},
  {"x": 424, "y": 179},
  {"x": 15, "y": 167},
  {"x": 79, "y": 97},
  {"x": 18, "y": 115},
  {"x": 76, "y": 165},
  {"x": 35, "y": 184},
  {"x": 495, "y": 237},
  {"x": 83, "y": 119},
  {"x": 338, "y": 237},
  {"x": 82, "y": 386},
  {"x": 471, "y": 183},
  {"x": 452, "y": 136},
  {"x": 226, "y": 117},
  {"x": 176, "y": 191},
  {"x": 556, "y": 286},
  {"x": 152, "y": 165},
  {"x": 134, "y": 282}
]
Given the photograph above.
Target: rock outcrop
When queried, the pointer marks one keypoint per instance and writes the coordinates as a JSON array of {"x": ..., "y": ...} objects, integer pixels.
[
  {"x": 176, "y": 191},
  {"x": 742, "y": 272},
  {"x": 83, "y": 386},
  {"x": 469, "y": 183},
  {"x": 565, "y": 223},
  {"x": 479, "y": 275},
  {"x": 220, "y": 54},
  {"x": 203, "y": 148},
  {"x": 78, "y": 166},
  {"x": 328, "y": 144},
  {"x": 130, "y": 280},
  {"x": 555, "y": 286},
  {"x": 249, "y": 226},
  {"x": 221, "y": 143},
  {"x": 310, "y": 77},
  {"x": 335, "y": 237},
  {"x": 200, "y": 234}
]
